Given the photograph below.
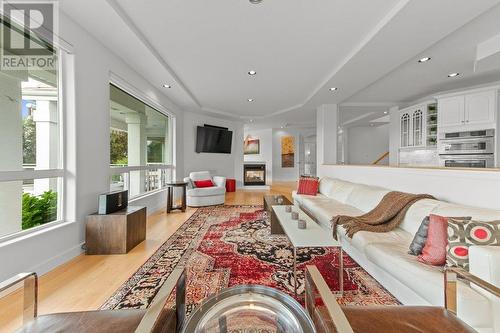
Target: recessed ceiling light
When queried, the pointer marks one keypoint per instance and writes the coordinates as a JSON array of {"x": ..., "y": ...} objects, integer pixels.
[
  {"x": 250, "y": 99},
  {"x": 333, "y": 89},
  {"x": 252, "y": 72},
  {"x": 453, "y": 74},
  {"x": 167, "y": 86},
  {"x": 386, "y": 112},
  {"x": 424, "y": 59},
  {"x": 255, "y": 2},
  {"x": 251, "y": 120}
]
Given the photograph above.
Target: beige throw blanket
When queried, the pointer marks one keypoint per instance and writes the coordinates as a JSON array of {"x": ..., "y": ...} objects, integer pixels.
[{"x": 388, "y": 214}]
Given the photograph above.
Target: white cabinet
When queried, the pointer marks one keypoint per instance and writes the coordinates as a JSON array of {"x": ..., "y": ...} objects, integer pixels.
[
  {"x": 469, "y": 111},
  {"x": 451, "y": 111},
  {"x": 480, "y": 108}
]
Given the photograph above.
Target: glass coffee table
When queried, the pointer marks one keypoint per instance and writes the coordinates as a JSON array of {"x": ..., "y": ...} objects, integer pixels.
[
  {"x": 312, "y": 236},
  {"x": 249, "y": 308}
]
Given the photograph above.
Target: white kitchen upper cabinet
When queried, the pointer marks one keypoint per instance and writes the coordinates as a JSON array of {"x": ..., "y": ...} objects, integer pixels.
[
  {"x": 451, "y": 111},
  {"x": 480, "y": 108}
]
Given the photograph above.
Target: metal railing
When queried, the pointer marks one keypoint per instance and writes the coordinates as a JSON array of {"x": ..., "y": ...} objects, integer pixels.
[{"x": 30, "y": 291}]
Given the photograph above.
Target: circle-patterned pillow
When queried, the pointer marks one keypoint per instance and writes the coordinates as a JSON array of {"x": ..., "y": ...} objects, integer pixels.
[{"x": 462, "y": 234}]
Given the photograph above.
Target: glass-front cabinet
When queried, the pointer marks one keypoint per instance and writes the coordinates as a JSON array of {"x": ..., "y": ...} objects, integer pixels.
[{"x": 419, "y": 126}]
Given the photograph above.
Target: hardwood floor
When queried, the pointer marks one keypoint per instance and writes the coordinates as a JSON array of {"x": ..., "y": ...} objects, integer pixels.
[{"x": 85, "y": 282}]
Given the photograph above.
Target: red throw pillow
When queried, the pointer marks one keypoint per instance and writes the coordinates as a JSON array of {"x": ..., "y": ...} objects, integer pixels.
[
  {"x": 434, "y": 251},
  {"x": 203, "y": 183},
  {"x": 308, "y": 185}
]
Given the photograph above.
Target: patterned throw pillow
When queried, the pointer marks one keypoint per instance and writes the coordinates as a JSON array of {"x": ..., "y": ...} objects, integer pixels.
[
  {"x": 462, "y": 234},
  {"x": 308, "y": 185}
]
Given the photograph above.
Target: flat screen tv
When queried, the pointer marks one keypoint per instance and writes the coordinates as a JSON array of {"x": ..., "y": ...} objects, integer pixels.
[{"x": 213, "y": 140}]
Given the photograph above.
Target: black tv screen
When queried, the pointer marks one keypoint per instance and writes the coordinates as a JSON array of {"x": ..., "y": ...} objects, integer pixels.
[{"x": 213, "y": 140}]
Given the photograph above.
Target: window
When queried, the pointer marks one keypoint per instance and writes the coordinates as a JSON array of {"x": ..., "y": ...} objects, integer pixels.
[
  {"x": 31, "y": 163},
  {"x": 140, "y": 145}
]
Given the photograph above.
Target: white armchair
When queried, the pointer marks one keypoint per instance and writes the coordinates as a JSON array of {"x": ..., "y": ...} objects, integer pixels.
[{"x": 206, "y": 196}]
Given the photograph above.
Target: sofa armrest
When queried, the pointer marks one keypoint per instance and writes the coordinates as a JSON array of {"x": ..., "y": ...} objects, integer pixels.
[
  {"x": 220, "y": 181},
  {"x": 451, "y": 276},
  {"x": 484, "y": 262},
  {"x": 188, "y": 180},
  {"x": 316, "y": 286}
]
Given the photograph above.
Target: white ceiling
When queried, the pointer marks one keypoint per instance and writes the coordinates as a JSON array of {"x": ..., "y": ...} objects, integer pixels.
[
  {"x": 299, "y": 48},
  {"x": 455, "y": 53}
]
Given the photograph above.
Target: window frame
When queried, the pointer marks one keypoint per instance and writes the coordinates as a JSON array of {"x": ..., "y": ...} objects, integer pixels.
[
  {"x": 120, "y": 83},
  {"x": 63, "y": 51}
]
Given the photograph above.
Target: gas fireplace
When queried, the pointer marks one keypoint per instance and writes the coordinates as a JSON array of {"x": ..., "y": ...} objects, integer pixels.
[{"x": 254, "y": 174}]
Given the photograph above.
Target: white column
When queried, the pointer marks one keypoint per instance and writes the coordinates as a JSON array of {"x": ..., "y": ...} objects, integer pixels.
[
  {"x": 47, "y": 144},
  {"x": 11, "y": 148},
  {"x": 326, "y": 130},
  {"x": 394, "y": 136},
  {"x": 137, "y": 150}
]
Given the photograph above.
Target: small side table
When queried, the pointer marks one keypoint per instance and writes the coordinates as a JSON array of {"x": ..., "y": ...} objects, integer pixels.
[
  {"x": 230, "y": 185},
  {"x": 170, "y": 195}
]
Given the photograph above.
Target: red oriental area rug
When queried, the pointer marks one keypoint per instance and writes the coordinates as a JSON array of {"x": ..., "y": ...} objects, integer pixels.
[{"x": 223, "y": 246}]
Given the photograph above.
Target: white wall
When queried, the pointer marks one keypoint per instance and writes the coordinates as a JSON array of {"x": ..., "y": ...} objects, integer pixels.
[
  {"x": 475, "y": 187},
  {"x": 366, "y": 144},
  {"x": 87, "y": 153},
  {"x": 266, "y": 150},
  {"x": 228, "y": 165},
  {"x": 288, "y": 174}
]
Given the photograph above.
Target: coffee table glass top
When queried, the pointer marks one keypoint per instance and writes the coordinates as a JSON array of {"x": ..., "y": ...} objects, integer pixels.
[
  {"x": 272, "y": 200},
  {"x": 312, "y": 236},
  {"x": 250, "y": 308}
]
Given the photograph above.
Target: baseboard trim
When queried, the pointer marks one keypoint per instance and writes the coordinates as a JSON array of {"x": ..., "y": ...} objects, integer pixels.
[{"x": 58, "y": 260}]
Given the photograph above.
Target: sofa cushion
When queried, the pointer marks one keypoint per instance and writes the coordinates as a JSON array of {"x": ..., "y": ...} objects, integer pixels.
[
  {"x": 481, "y": 214},
  {"x": 206, "y": 191},
  {"x": 200, "y": 175},
  {"x": 363, "y": 238},
  {"x": 340, "y": 190},
  {"x": 299, "y": 198},
  {"x": 326, "y": 185},
  {"x": 365, "y": 197},
  {"x": 323, "y": 209},
  {"x": 416, "y": 213},
  {"x": 425, "y": 280}
]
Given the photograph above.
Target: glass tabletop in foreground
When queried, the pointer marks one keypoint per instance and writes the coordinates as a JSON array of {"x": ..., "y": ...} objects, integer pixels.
[{"x": 250, "y": 308}]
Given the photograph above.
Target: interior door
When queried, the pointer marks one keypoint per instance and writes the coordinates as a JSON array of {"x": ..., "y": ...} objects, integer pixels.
[
  {"x": 480, "y": 108},
  {"x": 451, "y": 111},
  {"x": 309, "y": 156}
]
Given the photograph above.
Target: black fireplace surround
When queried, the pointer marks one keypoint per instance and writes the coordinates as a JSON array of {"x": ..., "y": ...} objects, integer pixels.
[{"x": 254, "y": 174}]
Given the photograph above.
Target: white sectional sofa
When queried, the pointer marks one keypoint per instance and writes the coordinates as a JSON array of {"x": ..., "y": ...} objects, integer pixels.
[{"x": 385, "y": 255}]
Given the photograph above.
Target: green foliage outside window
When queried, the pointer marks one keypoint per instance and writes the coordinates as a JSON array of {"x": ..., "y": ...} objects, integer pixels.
[
  {"x": 38, "y": 210},
  {"x": 119, "y": 147},
  {"x": 29, "y": 140}
]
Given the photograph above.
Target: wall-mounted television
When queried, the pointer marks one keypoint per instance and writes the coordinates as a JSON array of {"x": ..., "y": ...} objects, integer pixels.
[{"x": 213, "y": 139}]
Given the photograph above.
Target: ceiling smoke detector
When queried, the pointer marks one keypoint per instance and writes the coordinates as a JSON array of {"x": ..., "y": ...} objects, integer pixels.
[{"x": 255, "y": 2}]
